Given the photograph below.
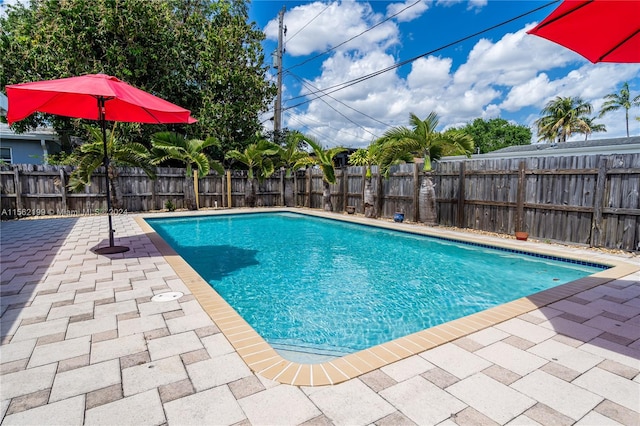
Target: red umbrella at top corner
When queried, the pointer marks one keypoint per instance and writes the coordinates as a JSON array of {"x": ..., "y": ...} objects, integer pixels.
[
  {"x": 78, "y": 97},
  {"x": 94, "y": 97},
  {"x": 599, "y": 30}
]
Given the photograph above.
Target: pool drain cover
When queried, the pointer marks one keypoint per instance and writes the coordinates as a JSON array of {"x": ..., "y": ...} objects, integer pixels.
[{"x": 166, "y": 297}]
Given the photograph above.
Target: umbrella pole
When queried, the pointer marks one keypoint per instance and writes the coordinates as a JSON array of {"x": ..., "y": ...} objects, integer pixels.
[{"x": 112, "y": 248}]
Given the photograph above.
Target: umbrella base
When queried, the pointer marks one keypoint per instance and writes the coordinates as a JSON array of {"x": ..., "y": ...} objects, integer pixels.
[{"x": 111, "y": 250}]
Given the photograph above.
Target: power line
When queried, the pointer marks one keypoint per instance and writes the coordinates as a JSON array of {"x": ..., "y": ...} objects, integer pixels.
[
  {"x": 338, "y": 100},
  {"x": 352, "y": 38},
  {"x": 347, "y": 118},
  {"x": 296, "y": 118},
  {"x": 328, "y": 90}
]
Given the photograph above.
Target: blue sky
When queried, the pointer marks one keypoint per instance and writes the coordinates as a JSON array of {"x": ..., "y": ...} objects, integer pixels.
[{"x": 502, "y": 73}]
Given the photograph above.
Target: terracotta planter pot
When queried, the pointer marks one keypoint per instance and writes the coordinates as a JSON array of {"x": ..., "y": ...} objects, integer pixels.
[{"x": 522, "y": 236}]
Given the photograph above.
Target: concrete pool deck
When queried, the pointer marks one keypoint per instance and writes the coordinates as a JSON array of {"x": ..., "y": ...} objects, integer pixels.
[{"x": 82, "y": 342}]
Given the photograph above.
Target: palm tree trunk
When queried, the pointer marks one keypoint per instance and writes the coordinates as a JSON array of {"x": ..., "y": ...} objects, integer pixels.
[
  {"x": 250, "y": 193},
  {"x": 626, "y": 116},
  {"x": 369, "y": 208},
  {"x": 195, "y": 188},
  {"x": 189, "y": 191},
  {"x": 427, "y": 203},
  {"x": 380, "y": 195},
  {"x": 116, "y": 195},
  {"x": 326, "y": 196},
  {"x": 289, "y": 200}
]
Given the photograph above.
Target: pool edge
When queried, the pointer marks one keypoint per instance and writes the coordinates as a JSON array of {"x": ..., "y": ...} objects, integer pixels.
[{"x": 262, "y": 359}]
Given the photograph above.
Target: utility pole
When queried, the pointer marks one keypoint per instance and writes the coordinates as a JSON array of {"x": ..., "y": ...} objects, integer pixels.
[{"x": 277, "y": 117}]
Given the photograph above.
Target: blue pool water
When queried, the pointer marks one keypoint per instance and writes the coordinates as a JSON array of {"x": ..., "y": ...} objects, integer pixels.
[{"x": 322, "y": 286}]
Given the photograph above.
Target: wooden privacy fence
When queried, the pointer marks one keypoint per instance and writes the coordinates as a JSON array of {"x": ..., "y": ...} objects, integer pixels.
[{"x": 587, "y": 199}]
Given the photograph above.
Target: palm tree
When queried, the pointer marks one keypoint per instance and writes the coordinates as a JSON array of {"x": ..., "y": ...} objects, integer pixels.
[
  {"x": 622, "y": 99},
  {"x": 171, "y": 146},
  {"x": 121, "y": 153},
  {"x": 259, "y": 165},
  {"x": 323, "y": 157},
  {"x": 423, "y": 140},
  {"x": 368, "y": 157},
  {"x": 292, "y": 158},
  {"x": 561, "y": 117},
  {"x": 592, "y": 127}
]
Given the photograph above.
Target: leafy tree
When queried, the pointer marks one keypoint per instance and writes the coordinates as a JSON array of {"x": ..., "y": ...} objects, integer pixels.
[
  {"x": 323, "y": 157},
  {"x": 191, "y": 152},
  {"x": 234, "y": 81},
  {"x": 496, "y": 133},
  {"x": 561, "y": 117},
  {"x": 90, "y": 156},
  {"x": 616, "y": 101},
  {"x": 422, "y": 139},
  {"x": 203, "y": 55},
  {"x": 257, "y": 158}
]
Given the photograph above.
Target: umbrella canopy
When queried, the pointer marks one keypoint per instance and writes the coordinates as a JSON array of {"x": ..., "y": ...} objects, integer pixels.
[
  {"x": 93, "y": 97},
  {"x": 76, "y": 97},
  {"x": 599, "y": 30}
]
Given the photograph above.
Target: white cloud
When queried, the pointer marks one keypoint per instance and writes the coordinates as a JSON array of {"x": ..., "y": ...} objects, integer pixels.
[
  {"x": 413, "y": 10},
  {"x": 328, "y": 28}
]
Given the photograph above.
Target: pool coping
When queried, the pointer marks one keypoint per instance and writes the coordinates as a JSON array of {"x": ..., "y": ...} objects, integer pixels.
[{"x": 262, "y": 359}]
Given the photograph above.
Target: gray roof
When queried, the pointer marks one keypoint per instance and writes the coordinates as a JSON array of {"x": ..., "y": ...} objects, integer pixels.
[{"x": 537, "y": 147}]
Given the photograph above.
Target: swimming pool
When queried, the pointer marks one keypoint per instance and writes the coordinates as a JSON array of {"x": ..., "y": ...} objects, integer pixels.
[{"x": 315, "y": 285}]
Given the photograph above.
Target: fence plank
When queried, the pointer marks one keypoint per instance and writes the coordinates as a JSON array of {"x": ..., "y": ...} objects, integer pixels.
[{"x": 596, "y": 225}]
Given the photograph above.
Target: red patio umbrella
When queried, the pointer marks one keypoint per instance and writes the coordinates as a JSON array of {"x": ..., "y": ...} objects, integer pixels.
[
  {"x": 599, "y": 30},
  {"x": 93, "y": 97}
]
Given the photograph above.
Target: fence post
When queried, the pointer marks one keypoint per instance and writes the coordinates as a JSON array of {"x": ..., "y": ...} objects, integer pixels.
[
  {"x": 345, "y": 188},
  {"x": 18, "y": 186},
  {"x": 282, "y": 201},
  {"x": 63, "y": 184},
  {"x": 416, "y": 192},
  {"x": 461, "y": 196},
  {"x": 309, "y": 175},
  {"x": 229, "y": 188},
  {"x": 154, "y": 191},
  {"x": 598, "y": 199},
  {"x": 520, "y": 198}
]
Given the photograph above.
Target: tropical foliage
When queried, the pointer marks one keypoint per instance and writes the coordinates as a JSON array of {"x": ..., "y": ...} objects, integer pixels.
[
  {"x": 562, "y": 117},
  {"x": 90, "y": 156},
  {"x": 620, "y": 100},
  {"x": 167, "y": 146},
  {"x": 422, "y": 139},
  {"x": 323, "y": 158},
  {"x": 257, "y": 158},
  {"x": 368, "y": 157},
  {"x": 291, "y": 158},
  {"x": 290, "y": 155}
]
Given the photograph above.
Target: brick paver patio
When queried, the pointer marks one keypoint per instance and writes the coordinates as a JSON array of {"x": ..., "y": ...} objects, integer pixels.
[{"x": 82, "y": 343}]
